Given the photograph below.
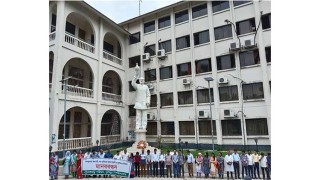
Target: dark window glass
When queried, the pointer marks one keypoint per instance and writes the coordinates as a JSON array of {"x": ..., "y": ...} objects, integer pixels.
[
  {"x": 257, "y": 126},
  {"x": 223, "y": 32},
  {"x": 270, "y": 85},
  {"x": 246, "y": 26},
  {"x": 237, "y": 3},
  {"x": 132, "y": 110},
  {"x": 231, "y": 127},
  {"x": 201, "y": 37},
  {"x": 82, "y": 34},
  {"x": 268, "y": 54},
  {"x": 248, "y": 58},
  {"x": 164, "y": 22},
  {"x": 50, "y": 66},
  {"x": 205, "y": 127},
  {"x": 219, "y": 5},
  {"x": 70, "y": 28},
  {"x": 199, "y": 11},
  {"x": 228, "y": 93},
  {"x": 61, "y": 126},
  {"x": 166, "y": 72},
  {"x": 203, "y": 66},
  {"x": 151, "y": 128},
  {"x": 133, "y": 61},
  {"x": 184, "y": 69},
  {"x": 183, "y": 42},
  {"x": 134, "y": 38},
  {"x": 253, "y": 91},
  {"x": 150, "y": 75},
  {"x": 203, "y": 95},
  {"x": 266, "y": 21},
  {"x": 130, "y": 86},
  {"x": 150, "y": 49},
  {"x": 166, "y": 99},
  {"x": 153, "y": 101},
  {"x": 149, "y": 26},
  {"x": 108, "y": 47},
  {"x": 77, "y": 76},
  {"x": 53, "y": 22},
  {"x": 186, "y": 127},
  {"x": 166, "y": 45},
  {"x": 167, "y": 128},
  {"x": 92, "y": 41},
  {"x": 226, "y": 62},
  {"x": 181, "y": 16},
  {"x": 185, "y": 97}
]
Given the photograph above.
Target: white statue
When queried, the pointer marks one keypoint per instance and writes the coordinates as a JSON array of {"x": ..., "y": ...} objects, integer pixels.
[{"x": 142, "y": 100}]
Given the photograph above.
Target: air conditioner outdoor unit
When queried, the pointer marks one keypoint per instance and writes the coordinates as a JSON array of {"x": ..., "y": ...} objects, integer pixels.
[
  {"x": 228, "y": 113},
  {"x": 249, "y": 43},
  {"x": 234, "y": 46},
  {"x": 150, "y": 86},
  {"x": 223, "y": 81},
  {"x": 146, "y": 57},
  {"x": 150, "y": 116},
  {"x": 203, "y": 114},
  {"x": 161, "y": 54},
  {"x": 186, "y": 81}
]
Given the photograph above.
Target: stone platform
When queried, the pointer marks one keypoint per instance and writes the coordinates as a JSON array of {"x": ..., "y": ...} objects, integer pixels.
[{"x": 140, "y": 143}]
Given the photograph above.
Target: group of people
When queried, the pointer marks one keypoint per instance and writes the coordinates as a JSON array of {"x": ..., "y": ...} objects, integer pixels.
[{"x": 172, "y": 164}]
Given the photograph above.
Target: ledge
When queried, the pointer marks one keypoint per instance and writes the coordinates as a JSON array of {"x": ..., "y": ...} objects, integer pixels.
[
  {"x": 224, "y": 39},
  {"x": 184, "y": 22},
  {"x": 226, "y": 70},
  {"x": 221, "y": 11},
  {"x": 164, "y": 28},
  {"x": 246, "y": 34},
  {"x": 266, "y": 30},
  {"x": 168, "y": 79},
  {"x": 203, "y": 44},
  {"x": 251, "y": 66},
  {"x": 187, "y": 48},
  {"x": 204, "y": 73},
  {"x": 165, "y": 107},
  {"x": 200, "y": 17},
  {"x": 185, "y": 105},
  {"x": 254, "y": 100},
  {"x": 229, "y": 102},
  {"x": 235, "y": 7},
  {"x": 149, "y": 33},
  {"x": 186, "y": 76}
]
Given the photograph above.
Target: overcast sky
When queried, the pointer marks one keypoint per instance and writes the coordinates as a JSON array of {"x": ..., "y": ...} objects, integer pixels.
[{"x": 122, "y": 10}]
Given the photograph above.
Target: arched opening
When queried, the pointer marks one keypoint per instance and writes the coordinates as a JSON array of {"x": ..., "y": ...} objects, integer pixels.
[
  {"x": 110, "y": 127},
  {"x": 111, "y": 48},
  {"x": 111, "y": 86},
  {"x": 51, "y": 56}
]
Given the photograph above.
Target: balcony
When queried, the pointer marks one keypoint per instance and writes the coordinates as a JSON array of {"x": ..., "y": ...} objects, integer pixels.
[
  {"x": 69, "y": 38},
  {"x": 107, "y": 55},
  {"x": 78, "y": 91},
  {"x": 111, "y": 97},
  {"x": 105, "y": 140},
  {"x": 74, "y": 143}
]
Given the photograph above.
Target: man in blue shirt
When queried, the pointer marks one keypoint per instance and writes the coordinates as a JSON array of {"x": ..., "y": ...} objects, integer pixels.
[
  {"x": 175, "y": 163},
  {"x": 244, "y": 163},
  {"x": 236, "y": 160},
  {"x": 108, "y": 155}
]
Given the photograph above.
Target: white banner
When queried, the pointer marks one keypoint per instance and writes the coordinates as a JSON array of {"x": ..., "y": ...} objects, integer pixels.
[{"x": 106, "y": 166}]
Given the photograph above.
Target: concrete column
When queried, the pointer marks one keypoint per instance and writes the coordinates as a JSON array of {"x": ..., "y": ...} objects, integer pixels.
[{"x": 71, "y": 127}]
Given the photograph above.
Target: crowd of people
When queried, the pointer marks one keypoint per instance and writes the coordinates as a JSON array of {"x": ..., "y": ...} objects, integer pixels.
[{"x": 172, "y": 164}]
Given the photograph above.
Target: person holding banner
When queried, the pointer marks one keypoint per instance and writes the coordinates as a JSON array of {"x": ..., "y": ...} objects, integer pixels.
[
  {"x": 66, "y": 165},
  {"x": 108, "y": 155},
  {"x": 125, "y": 156},
  {"x": 137, "y": 161},
  {"x": 79, "y": 170},
  {"x": 131, "y": 159}
]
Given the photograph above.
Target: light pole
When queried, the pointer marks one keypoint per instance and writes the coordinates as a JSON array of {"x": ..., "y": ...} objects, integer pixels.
[
  {"x": 235, "y": 30},
  {"x": 210, "y": 79},
  {"x": 65, "y": 113}
]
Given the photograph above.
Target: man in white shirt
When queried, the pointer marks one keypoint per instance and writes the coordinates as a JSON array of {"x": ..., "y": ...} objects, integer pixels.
[
  {"x": 101, "y": 154},
  {"x": 87, "y": 154},
  {"x": 161, "y": 163},
  {"x": 229, "y": 164},
  {"x": 263, "y": 165},
  {"x": 149, "y": 163},
  {"x": 117, "y": 156},
  {"x": 143, "y": 163},
  {"x": 190, "y": 160},
  {"x": 250, "y": 164},
  {"x": 125, "y": 155},
  {"x": 155, "y": 161}
]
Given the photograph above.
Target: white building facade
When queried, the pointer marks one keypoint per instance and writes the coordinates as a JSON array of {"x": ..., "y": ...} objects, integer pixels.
[{"x": 177, "y": 47}]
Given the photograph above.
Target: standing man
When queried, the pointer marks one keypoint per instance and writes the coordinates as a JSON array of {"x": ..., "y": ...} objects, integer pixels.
[
  {"x": 250, "y": 164},
  {"x": 155, "y": 161},
  {"x": 236, "y": 161},
  {"x": 175, "y": 163},
  {"x": 161, "y": 163},
  {"x": 101, "y": 155},
  {"x": 149, "y": 163},
  {"x": 229, "y": 164},
  {"x": 143, "y": 163},
  {"x": 117, "y": 156},
  {"x": 263, "y": 165},
  {"x": 269, "y": 163},
  {"x": 125, "y": 156},
  {"x": 181, "y": 161},
  {"x": 108, "y": 155},
  {"x": 244, "y": 163},
  {"x": 168, "y": 162},
  {"x": 190, "y": 163},
  {"x": 256, "y": 161}
]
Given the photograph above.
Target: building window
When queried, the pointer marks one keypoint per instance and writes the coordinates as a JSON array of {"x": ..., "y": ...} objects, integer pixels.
[
  {"x": 231, "y": 127},
  {"x": 181, "y": 16},
  {"x": 203, "y": 66},
  {"x": 205, "y": 127},
  {"x": 184, "y": 69},
  {"x": 77, "y": 76},
  {"x": 223, "y": 32},
  {"x": 53, "y": 22},
  {"x": 153, "y": 101},
  {"x": 186, "y": 127},
  {"x": 166, "y": 72},
  {"x": 219, "y": 5},
  {"x": 253, "y": 91},
  {"x": 185, "y": 97},
  {"x": 164, "y": 22},
  {"x": 183, "y": 42},
  {"x": 166, "y": 99},
  {"x": 132, "y": 110},
  {"x": 201, "y": 37},
  {"x": 226, "y": 62},
  {"x": 166, "y": 45},
  {"x": 268, "y": 53},
  {"x": 134, "y": 38},
  {"x": 238, "y": 3},
  {"x": 199, "y": 11},
  {"x": 270, "y": 85},
  {"x": 246, "y": 26},
  {"x": 70, "y": 28},
  {"x": 266, "y": 21},
  {"x": 130, "y": 86},
  {"x": 167, "y": 128},
  {"x": 133, "y": 61},
  {"x": 150, "y": 75},
  {"x": 150, "y": 49},
  {"x": 248, "y": 58},
  {"x": 203, "y": 95},
  {"x": 50, "y": 66},
  {"x": 228, "y": 93},
  {"x": 151, "y": 128},
  {"x": 257, "y": 126},
  {"x": 149, "y": 26},
  {"x": 108, "y": 47}
]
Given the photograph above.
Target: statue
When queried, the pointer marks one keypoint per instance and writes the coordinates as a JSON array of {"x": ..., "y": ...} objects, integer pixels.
[{"x": 142, "y": 100}]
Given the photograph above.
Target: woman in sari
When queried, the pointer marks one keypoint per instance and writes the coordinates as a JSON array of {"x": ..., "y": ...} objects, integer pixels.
[
  {"x": 74, "y": 164},
  {"x": 52, "y": 166},
  {"x": 206, "y": 165},
  {"x": 79, "y": 170},
  {"x": 66, "y": 165},
  {"x": 213, "y": 165},
  {"x": 199, "y": 161},
  {"x": 220, "y": 165}
]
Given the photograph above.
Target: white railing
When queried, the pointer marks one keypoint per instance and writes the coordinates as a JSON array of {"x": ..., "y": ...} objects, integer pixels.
[
  {"x": 77, "y": 42},
  {"x": 50, "y": 86},
  {"x": 105, "y": 140},
  {"x": 78, "y": 91},
  {"x": 111, "y": 97},
  {"x": 52, "y": 36},
  {"x": 74, "y": 143},
  {"x": 111, "y": 57}
]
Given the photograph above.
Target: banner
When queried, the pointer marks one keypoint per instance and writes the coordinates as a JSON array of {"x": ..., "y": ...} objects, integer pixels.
[{"x": 106, "y": 167}]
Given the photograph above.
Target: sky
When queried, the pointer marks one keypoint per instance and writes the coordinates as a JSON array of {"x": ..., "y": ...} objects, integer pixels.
[{"x": 122, "y": 10}]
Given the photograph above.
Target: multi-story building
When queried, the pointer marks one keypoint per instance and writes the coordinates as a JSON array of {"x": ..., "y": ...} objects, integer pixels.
[{"x": 176, "y": 47}]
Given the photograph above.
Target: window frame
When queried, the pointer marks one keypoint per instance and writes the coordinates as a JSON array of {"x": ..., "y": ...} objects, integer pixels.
[
  {"x": 198, "y": 11},
  {"x": 179, "y": 69},
  {"x": 162, "y": 101},
  {"x": 230, "y": 93},
  {"x": 183, "y": 100},
  {"x": 205, "y": 126},
  {"x": 197, "y": 39},
  {"x": 249, "y": 58},
  {"x": 186, "y": 125},
  {"x": 167, "y": 124},
  {"x": 151, "y": 49},
  {"x": 181, "y": 14},
  {"x": 206, "y": 70},
  {"x": 187, "y": 40},
  {"x": 151, "y": 130},
  {"x": 268, "y": 54},
  {"x": 251, "y": 87},
  {"x": 167, "y": 50},
  {"x": 152, "y": 102},
  {"x": 135, "y": 59},
  {"x": 231, "y": 60},
  {"x": 257, "y": 127},
  {"x": 170, "y": 72},
  {"x": 146, "y": 76},
  {"x": 236, "y": 127},
  {"x": 227, "y": 32},
  {"x": 133, "y": 39},
  {"x": 219, "y": 9},
  {"x": 204, "y": 94},
  {"x": 240, "y": 3},
  {"x": 252, "y": 24},
  {"x": 165, "y": 20},
  {"x": 148, "y": 24}
]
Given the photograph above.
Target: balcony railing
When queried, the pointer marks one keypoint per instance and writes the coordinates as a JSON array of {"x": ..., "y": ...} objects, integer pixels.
[
  {"x": 105, "y": 140},
  {"x": 78, "y": 91},
  {"x": 74, "y": 143},
  {"x": 111, "y": 97},
  {"x": 111, "y": 57},
  {"x": 77, "y": 42},
  {"x": 52, "y": 36}
]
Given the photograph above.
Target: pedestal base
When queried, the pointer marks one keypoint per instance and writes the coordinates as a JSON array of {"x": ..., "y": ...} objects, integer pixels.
[{"x": 140, "y": 143}]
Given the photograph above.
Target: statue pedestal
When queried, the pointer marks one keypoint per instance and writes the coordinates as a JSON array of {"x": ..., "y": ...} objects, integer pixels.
[{"x": 140, "y": 143}]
